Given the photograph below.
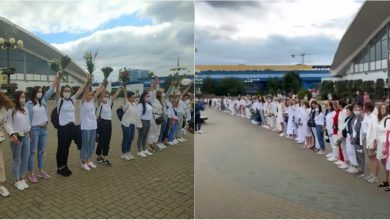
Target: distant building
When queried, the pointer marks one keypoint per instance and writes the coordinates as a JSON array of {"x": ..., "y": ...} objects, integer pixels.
[
  {"x": 31, "y": 62},
  {"x": 256, "y": 76},
  {"x": 363, "y": 52},
  {"x": 137, "y": 74}
]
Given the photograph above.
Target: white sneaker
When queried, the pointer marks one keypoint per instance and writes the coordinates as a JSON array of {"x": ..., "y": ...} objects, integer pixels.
[
  {"x": 4, "y": 191},
  {"x": 142, "y": 154},
  {"x": 24, "y": 184},
  {"x": 171, "y": 143},
  {"x": 91, "y": 164},
  {"x": 183, "y": 140},
  {"x": 332, "y": 159},
  {"x": 199, "y": 132},
  {"x": 85, "y": 167},
  {"x": 343, "y": 166},
  {"x": 339, "y": 162},
  {"x": 175, "y": 141},
  {"x": 180, "y": 140},
  {"x": 329, "y": 155},
  {"x": 321, "y": 152},
  {"x": 125, "y": 157},
  {"x": 161, "y": 146},
  {"x": 351, "y": 170},
  {"x": 129, "y": 156},
  {"x": 19, "y": 185},
  {"x": 148, "y": 153},
  {"x": 281, "y": 134}
]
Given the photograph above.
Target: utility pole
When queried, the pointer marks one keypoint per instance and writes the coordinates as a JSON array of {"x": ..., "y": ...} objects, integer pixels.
[{"x": 302, "y": 55}]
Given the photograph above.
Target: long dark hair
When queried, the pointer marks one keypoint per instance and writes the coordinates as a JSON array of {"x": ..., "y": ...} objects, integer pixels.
[
  {"x": 5, "y": 102},
  {"x": 18, "y": 107},
  {"x": 33, "y": 95},
  {"x": 380, "y": 115},
  {"x": 143, "y": 102}
]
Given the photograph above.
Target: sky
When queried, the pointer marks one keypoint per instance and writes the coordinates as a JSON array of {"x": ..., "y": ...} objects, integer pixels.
[
  {"x": 140, "y": 34},
  {"x": 270, "y": 31}
]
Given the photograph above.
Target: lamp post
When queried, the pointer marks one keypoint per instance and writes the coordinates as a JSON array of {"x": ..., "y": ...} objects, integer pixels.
[{"x": 7, "y": 44}]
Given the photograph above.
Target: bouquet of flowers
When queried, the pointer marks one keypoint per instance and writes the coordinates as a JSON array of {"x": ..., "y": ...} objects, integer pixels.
[
  {"x": 59, "y": 65},
  {"x": 89, "y": 59},
  {"x": 124, "y": 76},
  {"x": 106, "y": 72}
]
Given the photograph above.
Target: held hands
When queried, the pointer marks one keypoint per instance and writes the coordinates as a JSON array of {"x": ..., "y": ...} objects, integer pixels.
[{"x": 14, "y": 139}]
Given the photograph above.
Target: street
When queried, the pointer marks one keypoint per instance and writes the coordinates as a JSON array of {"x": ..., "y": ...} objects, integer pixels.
[{"x": 244, "y": 171}]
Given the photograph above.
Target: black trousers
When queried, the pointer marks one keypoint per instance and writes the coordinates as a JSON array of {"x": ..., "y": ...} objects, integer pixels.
[
  {"x": 104, "y": 132},
  {"x": 65, "y": 136},
  {"x": 198, "y": 123}
]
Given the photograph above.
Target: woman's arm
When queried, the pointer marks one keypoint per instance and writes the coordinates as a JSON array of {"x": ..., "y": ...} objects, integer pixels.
[
  {"x": 118, "y": 91},
  {"x": 82, "y": 88},
  {"x": 186, "y": 90},
  {"x": 98, "y": 91},
  {"x": 49, "y": 93},
  {"x": 58, "y": 88}
]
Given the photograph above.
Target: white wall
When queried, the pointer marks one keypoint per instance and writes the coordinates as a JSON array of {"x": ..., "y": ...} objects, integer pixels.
[{"x": 39, "y": 80}]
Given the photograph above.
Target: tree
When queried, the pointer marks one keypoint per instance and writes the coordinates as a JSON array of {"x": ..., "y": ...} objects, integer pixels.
[
  {"x": 379, "y": 88},
  {"x": 326, "y": 87},
  {"x": 291, "y": 82},
  {"x": 231, "y": 86},
  {"x": 273, "y": 85},
  {"x": 341, "y": 88},
  {"x": 208, "y": 86},
  {"x": 151, "y": 75},
  {"x": 358, "y": 85}
]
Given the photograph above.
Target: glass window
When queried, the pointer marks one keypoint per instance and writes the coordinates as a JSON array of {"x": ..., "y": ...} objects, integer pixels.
[
  {"x": 378, "y": 64},
  {"x": 372, "y": 52},
  {"x": 366, "y": 56},
  {"x": 35, "y": 65},
  {"x": 378, "y": 51},
  {"x": 365, "y": 67},
  {"x": 384, "y": 49}
]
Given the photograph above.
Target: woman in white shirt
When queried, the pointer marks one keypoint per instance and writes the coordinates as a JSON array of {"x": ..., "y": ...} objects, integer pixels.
[
  {"x": 19, "y": 119},
  {"x": 371, "y": 143},
  {"x": 145, "y": 110},
  {"x": 382, "y": 128},
  {"x": 319, "y": 119},
  {"x": 104, "y": 125},
  {"x": 129, "y": 122},
  {"x": 88, "y": 124},
  {"x": 173, "y": 119},
  {"x": 5, "y": 105},
  {"x": 66, "y": 121},
  {"x": 39, "y": 117},
  {"x": 158, "y": 114}
]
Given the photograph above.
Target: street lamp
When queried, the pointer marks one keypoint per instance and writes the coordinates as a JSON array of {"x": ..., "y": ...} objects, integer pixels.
[{"x": 7, "y": 44}]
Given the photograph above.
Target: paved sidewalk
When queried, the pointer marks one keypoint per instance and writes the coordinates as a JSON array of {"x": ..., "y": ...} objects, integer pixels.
[
  {"x": 243, "y": 171},
  {"x": 160, "y": 186}
]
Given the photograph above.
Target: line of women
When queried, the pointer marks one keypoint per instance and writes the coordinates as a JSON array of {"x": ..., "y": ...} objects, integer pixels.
[
  {"x": 354, "y": 132},
  {"x": 159, "y": 121}
]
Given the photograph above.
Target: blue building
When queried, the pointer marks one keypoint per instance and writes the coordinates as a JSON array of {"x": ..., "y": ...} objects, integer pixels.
[{"x": 256, "y": 77}]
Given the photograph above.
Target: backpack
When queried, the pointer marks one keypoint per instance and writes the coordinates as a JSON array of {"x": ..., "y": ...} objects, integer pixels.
[
  {"x": 55, "y": 115},
  {"x": 120, "y": 112}
]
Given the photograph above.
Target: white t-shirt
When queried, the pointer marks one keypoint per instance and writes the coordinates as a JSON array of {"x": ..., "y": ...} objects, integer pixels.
[
  {"x": 131, "y": 115},
  {"x": 172, "y": 114},
  {"x": 87, "y": 115},
  {"x": 67, "y": 111},
  {"x": 20, "y": 121},
  {"x": 105, "y": 110},
  {"x": 148, "y": 113},
  {"x": 39, "y": 116}
]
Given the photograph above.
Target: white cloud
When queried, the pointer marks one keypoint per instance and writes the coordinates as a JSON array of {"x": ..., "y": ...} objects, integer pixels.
[
  {"x": 286, "y": 18},
  {"x": 154, "y": 48},
  {"x": 66, "y": 16}
]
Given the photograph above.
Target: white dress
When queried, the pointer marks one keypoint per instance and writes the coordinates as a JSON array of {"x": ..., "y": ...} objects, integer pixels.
[
  {"x": 290, "y": 122},
  {"x": 279, "y": 117}
]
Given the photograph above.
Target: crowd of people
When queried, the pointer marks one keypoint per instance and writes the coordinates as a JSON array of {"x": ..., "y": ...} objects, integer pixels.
[
  {"x": 159, "y": 117},
  {"x": 355, "y": 128}
]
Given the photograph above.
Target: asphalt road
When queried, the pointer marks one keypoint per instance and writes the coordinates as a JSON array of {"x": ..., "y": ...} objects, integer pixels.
[{"x": 244, "y": 171}]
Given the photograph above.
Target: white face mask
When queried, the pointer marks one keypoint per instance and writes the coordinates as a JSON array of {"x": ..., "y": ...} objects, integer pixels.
[
  {"x": 105, "y": 99},
  {"x": 317, "y": 109},
  {"x": 22, "y": 101},
  {"x": 66, "y": 95},
  {"x": 356, "y": 112},
  {"x": 163, "y": 95},
  {"x": 39, "y": 95}
]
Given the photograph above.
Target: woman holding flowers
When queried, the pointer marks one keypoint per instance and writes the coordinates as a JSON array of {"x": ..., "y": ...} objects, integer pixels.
[
  {"x": 88, "y": 125},
  {"x": 18, "y": 118},
  {"x": 39, "y": 117},
  {"x": 104, "y": 125},
  {"x": 67, "y": 117}
]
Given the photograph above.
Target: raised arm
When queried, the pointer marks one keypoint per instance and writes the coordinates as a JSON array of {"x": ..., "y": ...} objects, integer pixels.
[
  {"x": 125, "y": 94},
  {"x": 118, "y": 91},
  {"x": 58, "y": 88},
  {"x": 99, "y": 91},
  {"x": 82, "y": 88},
  {"x": 186, "y": 90},
  {"x": 49, "y": 93}
]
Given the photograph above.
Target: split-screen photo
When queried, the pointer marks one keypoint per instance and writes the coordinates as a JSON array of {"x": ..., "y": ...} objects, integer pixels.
[{"x": 194, "y": 109}]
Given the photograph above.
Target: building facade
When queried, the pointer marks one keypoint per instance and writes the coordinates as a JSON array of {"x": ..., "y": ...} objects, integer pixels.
[
  {"x": 256, "y": 77},
  {"x": 31, "y": 61},
  {"x": 363, "y": 52}
]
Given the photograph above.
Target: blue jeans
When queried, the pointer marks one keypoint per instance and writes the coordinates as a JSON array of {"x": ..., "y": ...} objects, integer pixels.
[
  {"x": 172, "y": 132},
  {"x": 320, "y": 137},
  {"x": 128, "y": 136},
  {"x": 88, "y": 138},
  {"x": 161, "y": 138},
  {"x": 20, "y": 153},
  {"x": 39, "y": 141}
]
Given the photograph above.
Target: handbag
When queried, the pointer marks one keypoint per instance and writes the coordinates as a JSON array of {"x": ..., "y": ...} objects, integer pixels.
[
  {"x": 311, "y": 123},
  {"x": 120, "y": 112},
  {"x": 159, "y": 120}
]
